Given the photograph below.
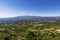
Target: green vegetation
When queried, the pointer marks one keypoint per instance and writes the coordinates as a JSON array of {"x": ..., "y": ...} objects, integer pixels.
[{"x": 30, "y": 30}]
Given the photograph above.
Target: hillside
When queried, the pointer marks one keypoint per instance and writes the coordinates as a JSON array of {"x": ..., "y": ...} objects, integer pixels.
[{"x": 30, "y": 30}]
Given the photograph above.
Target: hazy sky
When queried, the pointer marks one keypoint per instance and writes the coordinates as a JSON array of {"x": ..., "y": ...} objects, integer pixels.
[{"x": 11, "y": 8}]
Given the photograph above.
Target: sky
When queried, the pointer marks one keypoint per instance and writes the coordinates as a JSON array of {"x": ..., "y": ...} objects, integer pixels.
[{"x": 12, "y": 8}]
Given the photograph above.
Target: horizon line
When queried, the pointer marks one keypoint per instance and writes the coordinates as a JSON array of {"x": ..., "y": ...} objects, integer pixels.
[{"x": 29, "y": 15}]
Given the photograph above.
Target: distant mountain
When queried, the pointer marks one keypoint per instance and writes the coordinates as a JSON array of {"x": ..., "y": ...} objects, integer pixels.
[{"x": 30, "y": 18}]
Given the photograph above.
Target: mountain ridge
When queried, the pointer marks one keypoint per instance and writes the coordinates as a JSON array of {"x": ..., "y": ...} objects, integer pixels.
[{"x": 29, "y": 18}]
